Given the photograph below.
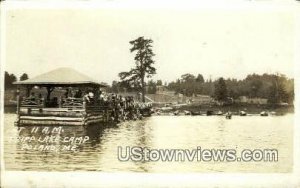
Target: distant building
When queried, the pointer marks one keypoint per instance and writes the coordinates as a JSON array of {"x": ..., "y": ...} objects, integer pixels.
[
  {"x": 202, "y": 99},
  {"x": 164, "y": 90},
  {"x": 165, "y": 96},
  {"x": 161, "y": 89}
]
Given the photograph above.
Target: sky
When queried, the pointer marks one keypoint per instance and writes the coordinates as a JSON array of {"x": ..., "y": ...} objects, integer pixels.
[{"x": 95, "y": 42}]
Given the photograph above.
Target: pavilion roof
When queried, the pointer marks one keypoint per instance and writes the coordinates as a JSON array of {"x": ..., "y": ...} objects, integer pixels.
[{"x": 61, "y": 76}]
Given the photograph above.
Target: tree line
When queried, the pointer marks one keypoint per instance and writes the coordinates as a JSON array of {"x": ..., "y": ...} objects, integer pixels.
[
  {"x": 274, "y": 87},
  {"x": 10, "y": 78}
]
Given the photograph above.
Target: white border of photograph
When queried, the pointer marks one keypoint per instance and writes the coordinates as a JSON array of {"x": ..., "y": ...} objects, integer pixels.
[{"x": 100, "y": 179}]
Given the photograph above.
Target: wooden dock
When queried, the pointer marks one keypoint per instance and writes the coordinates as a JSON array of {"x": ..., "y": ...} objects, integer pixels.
[{"x": 45, "y": 108}]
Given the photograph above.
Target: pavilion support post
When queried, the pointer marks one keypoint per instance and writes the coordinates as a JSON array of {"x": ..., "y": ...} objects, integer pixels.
[
  {"x": 18, "y": 101},
  {"x": 60, "y": 102},
  {"x": 84, "y": 103},
  {"x": 49, "y": 90},
  {"x": 18, "y": 106},
  {"x": 28, "y": 90},
  {"x": 96, "y": 95}
]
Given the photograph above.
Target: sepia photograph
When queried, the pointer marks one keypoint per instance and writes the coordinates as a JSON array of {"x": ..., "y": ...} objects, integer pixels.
[{"x": 146, "y": 90}]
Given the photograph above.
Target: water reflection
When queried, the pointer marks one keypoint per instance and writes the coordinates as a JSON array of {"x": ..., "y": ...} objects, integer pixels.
[{"x": 99, "y": 153}]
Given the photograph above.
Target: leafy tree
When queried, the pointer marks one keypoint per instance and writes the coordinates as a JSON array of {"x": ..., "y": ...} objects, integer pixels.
[
  {"x": 187, "y": 77},
  {"x": 143, "y": 65},
  {"x": 24, "y": 77},
  {"x": 280, "y": 90},
  {"x": 115, "y": 87},
  {"x": 159, "y": 83},
  {"x": 255, "y": 87},
  {"x": 200, "y": 78},
  {"x": 151, "y": 87},
  {"x": 8, "y": 80},
  {"x": 220, "y": 90}
]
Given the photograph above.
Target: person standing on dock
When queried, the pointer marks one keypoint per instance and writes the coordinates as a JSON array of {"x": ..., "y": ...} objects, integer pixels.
[
  {"x": 32, "y": 96},
  {"x": 86, "y": 97},
  {"x": 78, "y": 94}
]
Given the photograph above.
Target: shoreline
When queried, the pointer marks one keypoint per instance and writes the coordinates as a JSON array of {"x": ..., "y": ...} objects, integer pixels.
[
  {"x": 251, "y": 109},
  {"x": 236, "y": 108}
]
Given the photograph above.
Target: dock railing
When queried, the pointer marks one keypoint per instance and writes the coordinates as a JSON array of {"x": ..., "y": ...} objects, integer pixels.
[
  {"x": 72, "y": 103},
  {"x": 69, "y": 102},
  {"x": 32, "y": 102}
]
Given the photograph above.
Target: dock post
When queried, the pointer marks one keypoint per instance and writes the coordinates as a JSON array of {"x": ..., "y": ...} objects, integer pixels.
[
  {"x": 84, "y": 104},
  {"x": 18, "y": 106},
  {"x": 60, "y": 102},
  {"x": 18, "y": 101},
  {"x": 106, "y": 115}
]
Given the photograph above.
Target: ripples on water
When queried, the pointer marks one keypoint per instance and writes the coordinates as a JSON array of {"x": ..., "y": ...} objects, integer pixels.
[{"x": 159, "y": 132}]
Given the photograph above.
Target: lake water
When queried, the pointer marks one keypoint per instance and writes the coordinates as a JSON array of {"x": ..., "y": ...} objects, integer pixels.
[{"x": 99, "y": 153}]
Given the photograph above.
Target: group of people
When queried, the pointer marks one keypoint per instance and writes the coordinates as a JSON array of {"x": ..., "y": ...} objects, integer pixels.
[
  {"x": 121, "y": 107},
  {"x": 124, "y": 108}
]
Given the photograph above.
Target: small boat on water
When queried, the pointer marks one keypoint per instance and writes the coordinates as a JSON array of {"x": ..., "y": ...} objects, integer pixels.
[
  {"x": 158, "y": 112},
  {"x": 219, "y": 113},
  {"x": 243, "y": 113},
  {"x": 176, "y": 113},
  {"x": 195, "y": 113},
  {"x": 228, "y": 115},
  {"x": 264, "y": 113},
  {"x": 186, "y": 112},
  {"x": 209, "y": 112},
  {"x": 166, "y": 109}
]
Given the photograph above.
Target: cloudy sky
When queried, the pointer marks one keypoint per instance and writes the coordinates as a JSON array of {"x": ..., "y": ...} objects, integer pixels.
[{"x": 228, "y": 43}]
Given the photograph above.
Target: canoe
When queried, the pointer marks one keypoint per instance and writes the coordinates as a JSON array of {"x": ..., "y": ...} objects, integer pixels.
[
  {"x": 195, "y": 113},
  {"x": 264, "y": 113}
]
